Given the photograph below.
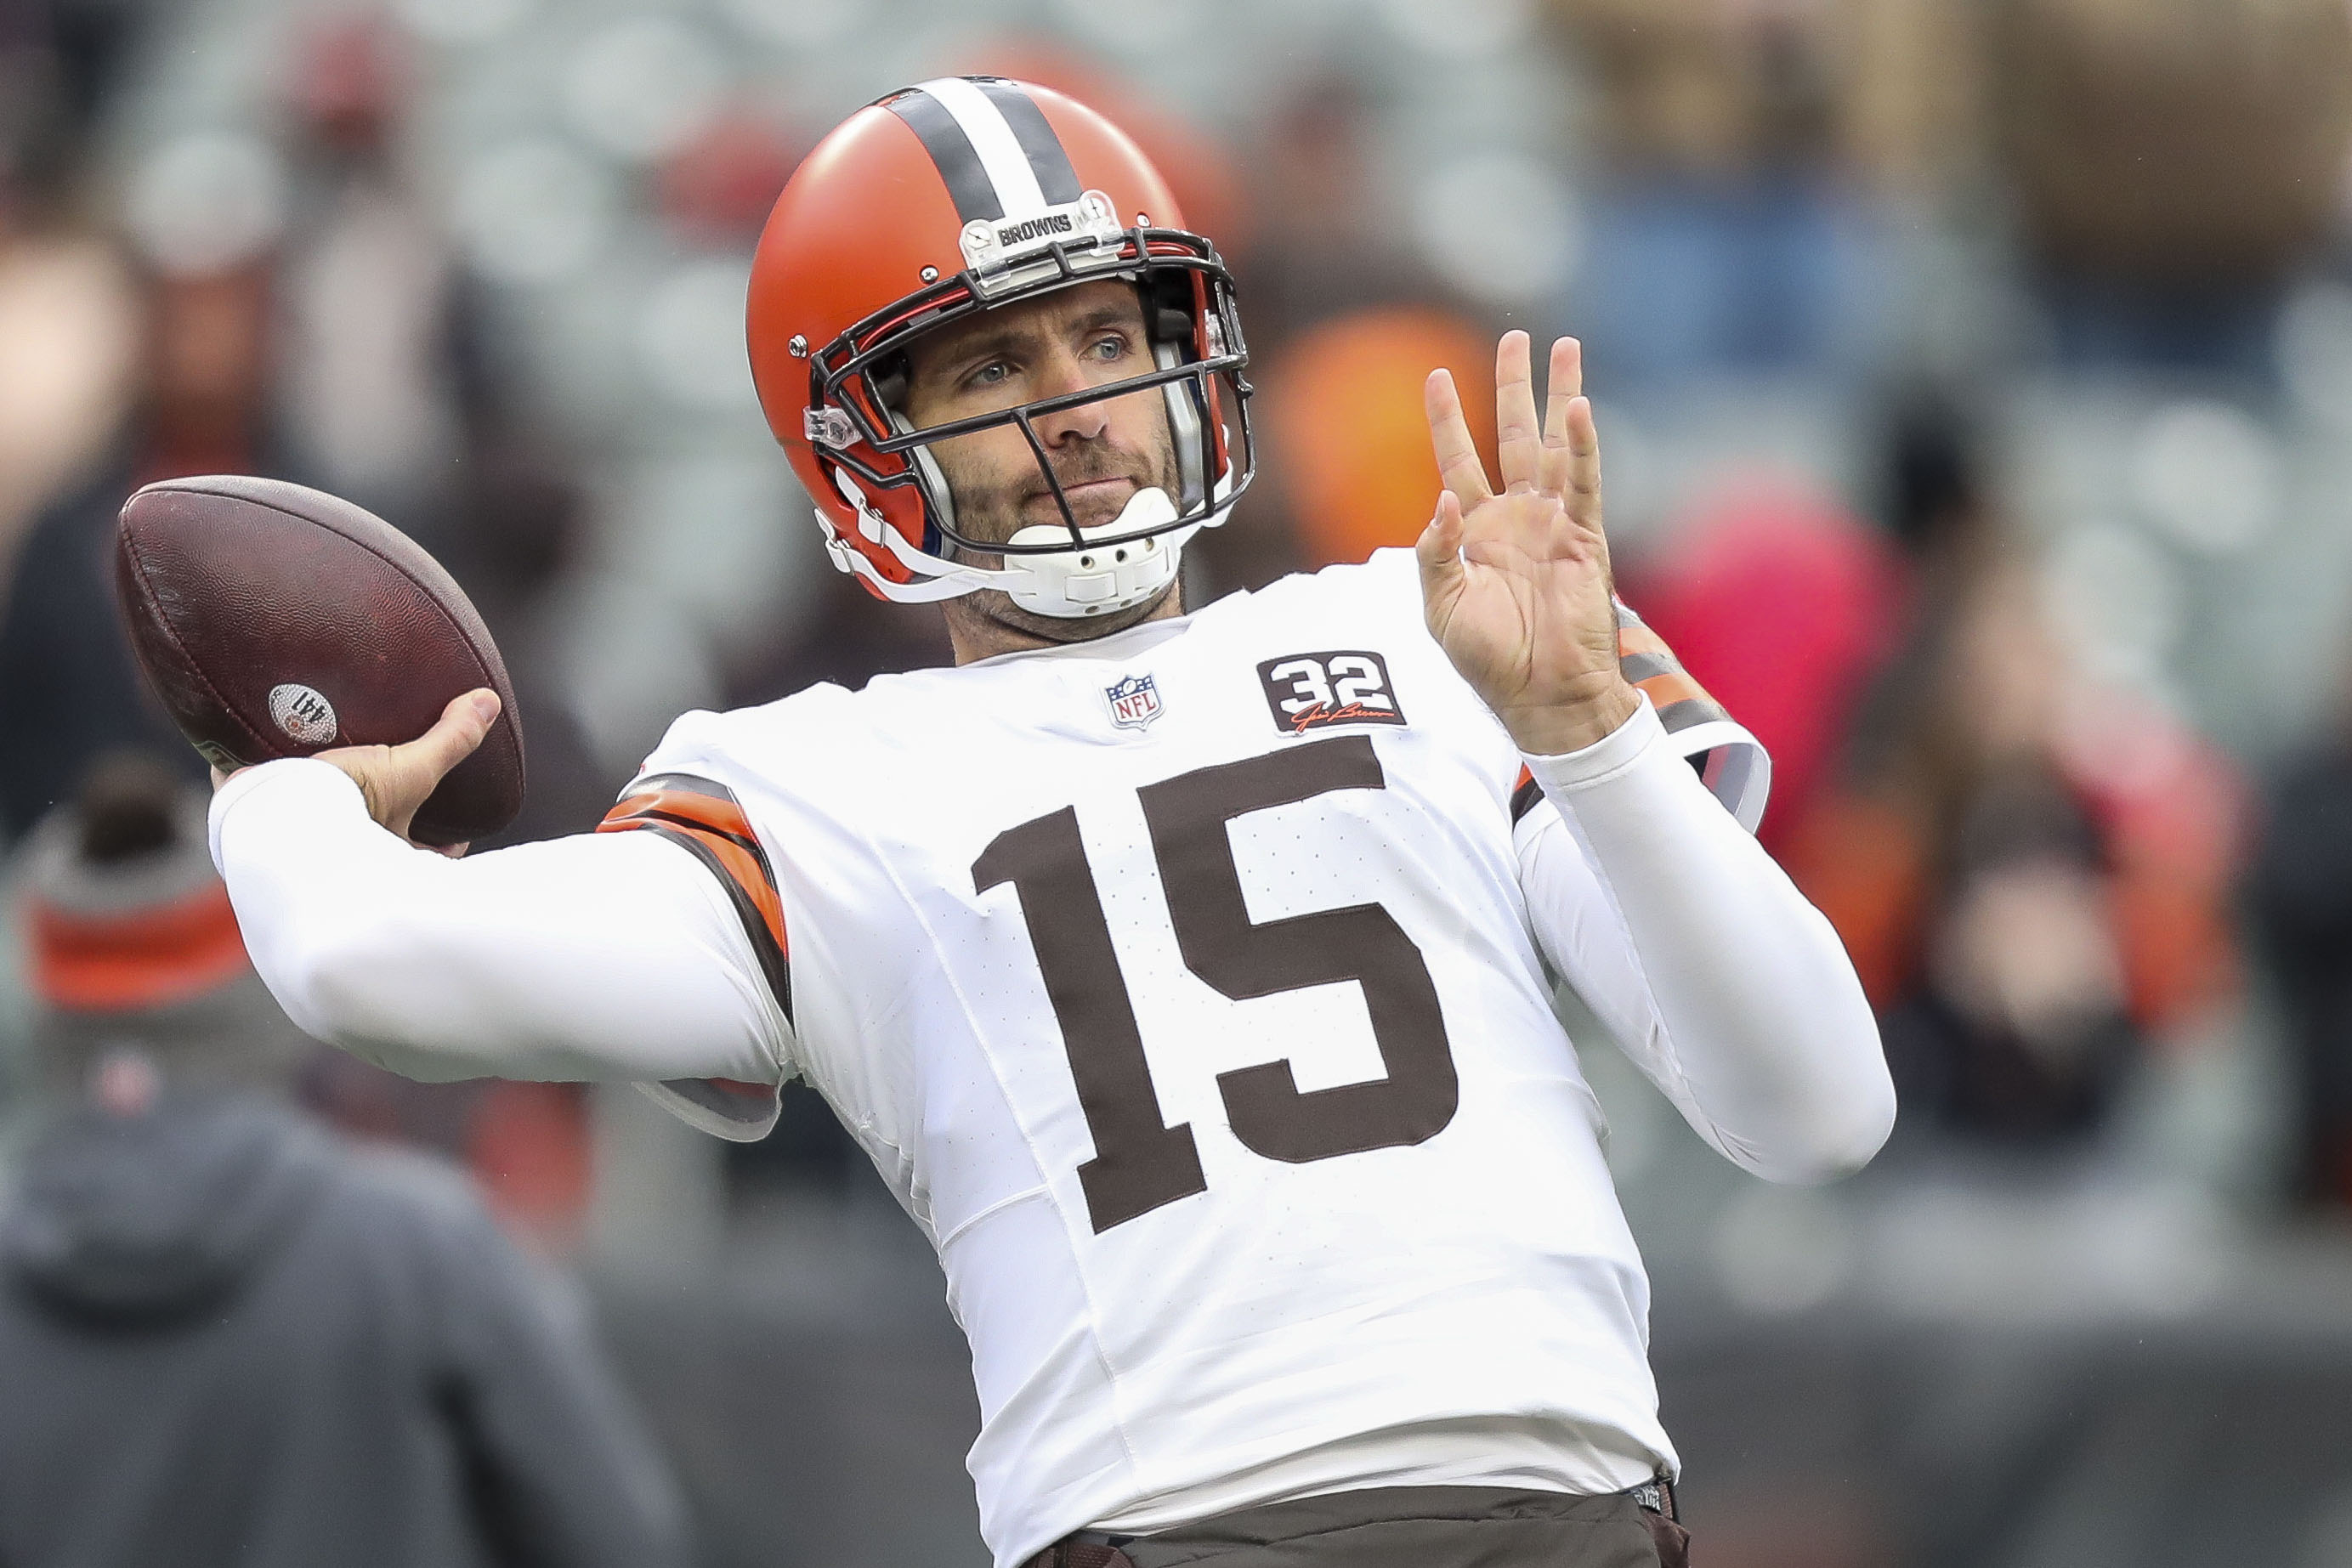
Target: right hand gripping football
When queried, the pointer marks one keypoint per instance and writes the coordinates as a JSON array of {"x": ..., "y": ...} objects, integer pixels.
[{"x": 396, "y": 779}]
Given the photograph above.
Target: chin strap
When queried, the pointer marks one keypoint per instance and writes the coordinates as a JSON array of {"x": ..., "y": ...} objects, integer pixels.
[{"x": 1084, "y": 581}]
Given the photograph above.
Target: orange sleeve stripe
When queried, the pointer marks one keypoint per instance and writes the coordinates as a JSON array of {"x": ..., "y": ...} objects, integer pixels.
[
  {"x": 706, "y": 821},
  {"x": 1655, "y": 670},
  {"x": 664, "y": 797},
  {"x": 1672, "y": 687},
  {"x": 1636, "y": 638}
]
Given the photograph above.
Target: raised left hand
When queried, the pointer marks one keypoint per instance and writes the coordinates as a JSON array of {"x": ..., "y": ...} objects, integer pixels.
[{"x": 1516, "y": 585}]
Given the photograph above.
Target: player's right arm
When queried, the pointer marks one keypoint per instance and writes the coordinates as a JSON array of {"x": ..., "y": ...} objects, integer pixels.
[{"x": 613, "y": 955}]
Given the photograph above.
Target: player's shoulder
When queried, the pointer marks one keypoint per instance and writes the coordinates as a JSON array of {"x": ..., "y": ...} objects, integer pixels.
[
  {"x": 725, "y": 746},
  {"x": 1376, "y": 597},
  {"x": 1386, "y": 580},
  {"x": 1382, "y": 593}
]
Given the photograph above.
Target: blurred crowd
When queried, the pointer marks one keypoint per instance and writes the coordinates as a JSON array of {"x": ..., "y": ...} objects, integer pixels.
[{"x": 1975, "y": 382}]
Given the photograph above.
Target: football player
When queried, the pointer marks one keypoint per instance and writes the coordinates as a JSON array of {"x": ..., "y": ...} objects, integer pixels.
[{"x": 1186, "y": 970}]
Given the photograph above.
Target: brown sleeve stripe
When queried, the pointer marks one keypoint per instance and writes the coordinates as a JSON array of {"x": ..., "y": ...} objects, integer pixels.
[
  {"x": 1650, "y": 665},
  {"x": 707, "y": 822},
  {"x": 1640, "y": 667},
  {"x": 1525, "y": 795}
]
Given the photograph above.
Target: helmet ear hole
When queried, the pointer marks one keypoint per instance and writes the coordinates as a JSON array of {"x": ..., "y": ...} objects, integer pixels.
[
  {"x": 888, "y": 379},
  {"x": 1168, "y": 311}
]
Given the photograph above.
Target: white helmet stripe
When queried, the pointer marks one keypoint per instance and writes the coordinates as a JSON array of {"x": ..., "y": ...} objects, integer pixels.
[{"x": 1000, "y": 153}]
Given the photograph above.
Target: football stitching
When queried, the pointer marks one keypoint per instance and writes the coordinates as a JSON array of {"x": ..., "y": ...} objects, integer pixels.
[
  {"x": 155, "y": 613},
  {"x": 505, "y": 707}
]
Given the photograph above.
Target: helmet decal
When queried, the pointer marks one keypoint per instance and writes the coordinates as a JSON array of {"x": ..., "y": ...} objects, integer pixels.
[{"x": 991, "y": 145}]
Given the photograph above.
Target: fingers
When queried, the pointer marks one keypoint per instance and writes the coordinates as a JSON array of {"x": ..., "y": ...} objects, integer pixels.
[
  {"x": 417, "y": 768},
  {"x": 452, "y": 739},
  {"x": 1441, "y": 542},
  {"x": 397, "y": 780},
  {"x": 1519, "y": 441},
  {"x": 1439, "y": 551},
  {"x": 1581, "y": 490},
  {"x": 1564, "y": 385},
  {"x": 1449, "y": 437}
]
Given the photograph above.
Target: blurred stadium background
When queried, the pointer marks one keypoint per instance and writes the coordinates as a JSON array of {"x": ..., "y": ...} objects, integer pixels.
[{"x": 1975, "y": 382}]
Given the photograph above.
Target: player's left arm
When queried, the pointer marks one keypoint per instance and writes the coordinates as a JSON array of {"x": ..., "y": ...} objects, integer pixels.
[{"x": 1729, "y": 990}]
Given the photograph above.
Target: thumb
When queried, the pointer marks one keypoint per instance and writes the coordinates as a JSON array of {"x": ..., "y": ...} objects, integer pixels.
[
  {"x": 418, "y": 767},
  {"x": 453, "y": 738},
  {"x": 1439, "y": 551}
]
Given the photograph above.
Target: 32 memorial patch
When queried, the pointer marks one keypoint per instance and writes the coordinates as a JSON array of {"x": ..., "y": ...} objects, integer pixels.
[{"x": 1308, "y": 691}]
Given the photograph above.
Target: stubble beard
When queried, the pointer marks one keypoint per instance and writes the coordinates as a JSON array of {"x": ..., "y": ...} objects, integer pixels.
[{"x": 1001, "y": 511}]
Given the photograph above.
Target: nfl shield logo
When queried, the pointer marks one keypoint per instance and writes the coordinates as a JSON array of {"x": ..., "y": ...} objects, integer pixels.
[{"x": 1134, "y": 702}]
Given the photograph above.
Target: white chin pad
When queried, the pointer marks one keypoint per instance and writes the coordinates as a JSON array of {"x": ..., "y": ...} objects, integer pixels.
[{"x": 1097, "y": 580}]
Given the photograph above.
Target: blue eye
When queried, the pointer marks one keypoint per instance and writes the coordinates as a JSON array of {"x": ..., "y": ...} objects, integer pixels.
[
  {"x": 1116, "y": 348},
  {"x": 991, "y": 374}
]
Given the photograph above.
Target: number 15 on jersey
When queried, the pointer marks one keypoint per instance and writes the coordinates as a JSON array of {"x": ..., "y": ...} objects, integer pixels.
[{"x": 1141, "y": 1162}]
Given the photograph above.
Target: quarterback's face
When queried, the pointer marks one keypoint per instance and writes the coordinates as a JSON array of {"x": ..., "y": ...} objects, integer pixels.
[{"x": 1102, "y": 452}]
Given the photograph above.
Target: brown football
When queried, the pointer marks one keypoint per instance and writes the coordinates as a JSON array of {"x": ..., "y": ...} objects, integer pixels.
[{"x": 276, "y": 621}]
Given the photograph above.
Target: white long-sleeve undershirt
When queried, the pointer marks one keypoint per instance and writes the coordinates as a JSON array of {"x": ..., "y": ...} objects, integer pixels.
[
  {"x": 1731, "y": 992},
  {"x": 607, "y": 956}
]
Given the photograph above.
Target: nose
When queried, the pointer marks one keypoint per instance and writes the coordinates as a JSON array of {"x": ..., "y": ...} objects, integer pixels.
[{"x": 1066, "y": 373}]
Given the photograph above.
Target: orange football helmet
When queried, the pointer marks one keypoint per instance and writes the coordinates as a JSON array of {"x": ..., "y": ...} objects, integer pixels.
[{"x": 955, "y": 196}]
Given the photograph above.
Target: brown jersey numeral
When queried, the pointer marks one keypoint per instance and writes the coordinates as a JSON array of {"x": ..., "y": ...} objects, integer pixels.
[{"x": 1139, "y": 1162}]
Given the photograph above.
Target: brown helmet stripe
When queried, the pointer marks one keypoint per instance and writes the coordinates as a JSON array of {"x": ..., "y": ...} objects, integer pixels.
[
  {"x": 957, "y": 160},
  {"x": 1048, "y": 158}
]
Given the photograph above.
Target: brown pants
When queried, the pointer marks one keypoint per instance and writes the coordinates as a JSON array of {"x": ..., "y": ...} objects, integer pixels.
[{"x": 1405, "y": 1527}]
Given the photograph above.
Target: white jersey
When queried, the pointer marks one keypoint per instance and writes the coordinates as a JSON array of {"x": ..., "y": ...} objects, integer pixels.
[
  {"x": 1190, "y": 988},
  {"x": 1182, "y": 985}
]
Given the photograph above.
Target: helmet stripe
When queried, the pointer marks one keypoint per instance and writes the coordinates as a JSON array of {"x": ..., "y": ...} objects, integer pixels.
[
  {"x": 951, "y": 152},
  {"x": 1048, "y": 160},
  {"x": 992, "y": 136}
]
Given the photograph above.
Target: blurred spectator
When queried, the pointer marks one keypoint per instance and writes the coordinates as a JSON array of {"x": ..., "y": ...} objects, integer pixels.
[
  {"x": 68, "y": 319},
  {"x": 365, "y": 387},
  {"x": 1910, "y": 95},
  {"x": 1721, "y": 236},
  {"x": 225, "y": 1338},
  {"x": 66, "y": 349},
  {"x": 203, "y": 212},
  {"x": 59, "y": 61},
  {"x": 66, "y": 307},
  {"x": 2301, "y": 887},
  {"x": 69, "y": 689},
  {"x": 2032, "y": 874},
  {"x": 2176, "y": 162},
  {"x": 1783, "y": 605},
  {"x": 329, "y": 343}
]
